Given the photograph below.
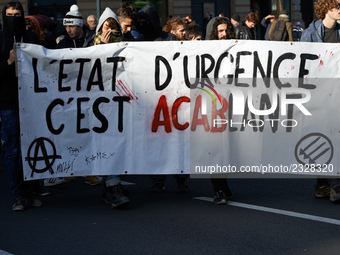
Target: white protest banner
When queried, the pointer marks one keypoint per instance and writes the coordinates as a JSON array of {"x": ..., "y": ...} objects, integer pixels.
[{"x": 179, "y": 108}]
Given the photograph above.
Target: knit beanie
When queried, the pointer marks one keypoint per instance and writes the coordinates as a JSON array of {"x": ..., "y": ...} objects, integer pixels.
[
  {"x": 73, "y": 17},
  {"x": 236, "y": 17}
]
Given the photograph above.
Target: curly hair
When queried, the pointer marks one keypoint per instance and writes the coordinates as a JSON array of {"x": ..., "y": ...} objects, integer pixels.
[
  {"x": 230, "y": 28},
  {"x": 167, "y": 28},
  {"x": 323, "y": 6},
  {"x": 173, "y": 23},
  {"x": 192, "y": 35}
]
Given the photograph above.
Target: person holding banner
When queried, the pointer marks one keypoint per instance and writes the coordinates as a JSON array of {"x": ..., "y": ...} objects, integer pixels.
[
  {"x": 77, "y": 33},
  {"x": 14, "y": 30},
  {"x": 110, "y": 31},
  {"x": 220, "y": 29},
  {"x": 150, "y": 26},
  {"x": 325, "y": 29},
  {"x": 77, "y": 37}
]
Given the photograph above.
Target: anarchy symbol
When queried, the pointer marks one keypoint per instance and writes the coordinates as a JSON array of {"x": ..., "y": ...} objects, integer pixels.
[{"x": 41, "y": 147}]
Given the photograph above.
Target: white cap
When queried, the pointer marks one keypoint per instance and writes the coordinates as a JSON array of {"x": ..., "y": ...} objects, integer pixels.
[{"x": 73, "y": 17}]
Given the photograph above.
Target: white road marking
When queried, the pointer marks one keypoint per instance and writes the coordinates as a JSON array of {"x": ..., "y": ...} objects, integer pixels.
[{"x": 277, "y": 211}]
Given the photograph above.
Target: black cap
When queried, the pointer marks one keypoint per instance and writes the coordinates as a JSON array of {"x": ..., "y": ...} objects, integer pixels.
[{"x": 236, "y": 17}]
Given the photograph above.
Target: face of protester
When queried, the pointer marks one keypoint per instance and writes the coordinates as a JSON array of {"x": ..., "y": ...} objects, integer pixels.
[
  {"x": 222, "y": 31},
  {"x": 250, "y": 24},
  {"x": 126, "y": 24},
  {"x": 74, "y": 31},
  {"x": 179, "y": 32},
  {"x": 13, "y": 12},
  {"x": 92, "y": 22},
  {"x": 106, "y": 27}
]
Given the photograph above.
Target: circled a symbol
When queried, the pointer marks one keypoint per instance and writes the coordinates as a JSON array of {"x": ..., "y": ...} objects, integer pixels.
[{"x": 44, "y": 155}]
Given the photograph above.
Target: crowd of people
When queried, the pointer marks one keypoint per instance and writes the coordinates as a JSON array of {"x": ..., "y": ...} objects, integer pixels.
[{"x": 128, "y": 24}]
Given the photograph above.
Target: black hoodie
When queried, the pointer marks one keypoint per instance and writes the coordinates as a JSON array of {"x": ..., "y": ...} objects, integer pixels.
[
  {"x": 9, "y": 81},
  {"x": 150, "y": 26}
]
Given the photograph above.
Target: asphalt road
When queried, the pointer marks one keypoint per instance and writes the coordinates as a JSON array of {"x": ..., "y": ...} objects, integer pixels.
[{"x": 265, "y": 216}]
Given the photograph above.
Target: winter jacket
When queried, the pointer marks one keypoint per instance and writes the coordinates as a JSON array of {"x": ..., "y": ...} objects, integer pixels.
[
  {"x": 315, "y": 32},
  {"x": 244, "y": 35},
  {"x": 9, "y": 81},
  {"x": 79, "y": 42}
]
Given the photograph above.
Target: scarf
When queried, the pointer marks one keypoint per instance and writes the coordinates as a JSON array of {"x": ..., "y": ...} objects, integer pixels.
[{"x": 115, "y": 36}]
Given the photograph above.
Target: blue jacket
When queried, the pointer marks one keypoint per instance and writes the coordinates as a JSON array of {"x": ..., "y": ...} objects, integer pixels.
[{"x": 316, "y": 32}]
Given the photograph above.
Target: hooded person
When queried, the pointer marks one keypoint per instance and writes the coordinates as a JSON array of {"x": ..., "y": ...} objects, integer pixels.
[
  {"x": 47, "y": 34},
  {"x": 212, "y": 29},
  {"x": 77, "y": 32},
  {"x": 220, "y": 28},
  {"x": 108, "y": 29},
  {"x": 14, "y": 30},
  {"x": 150, "y": 26},
  {"x": 33, "y": 24},
  {"x": 44, "y": 28},
  {"x": 209, "y": 28},
  {"x": 76, "y": 37}
]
